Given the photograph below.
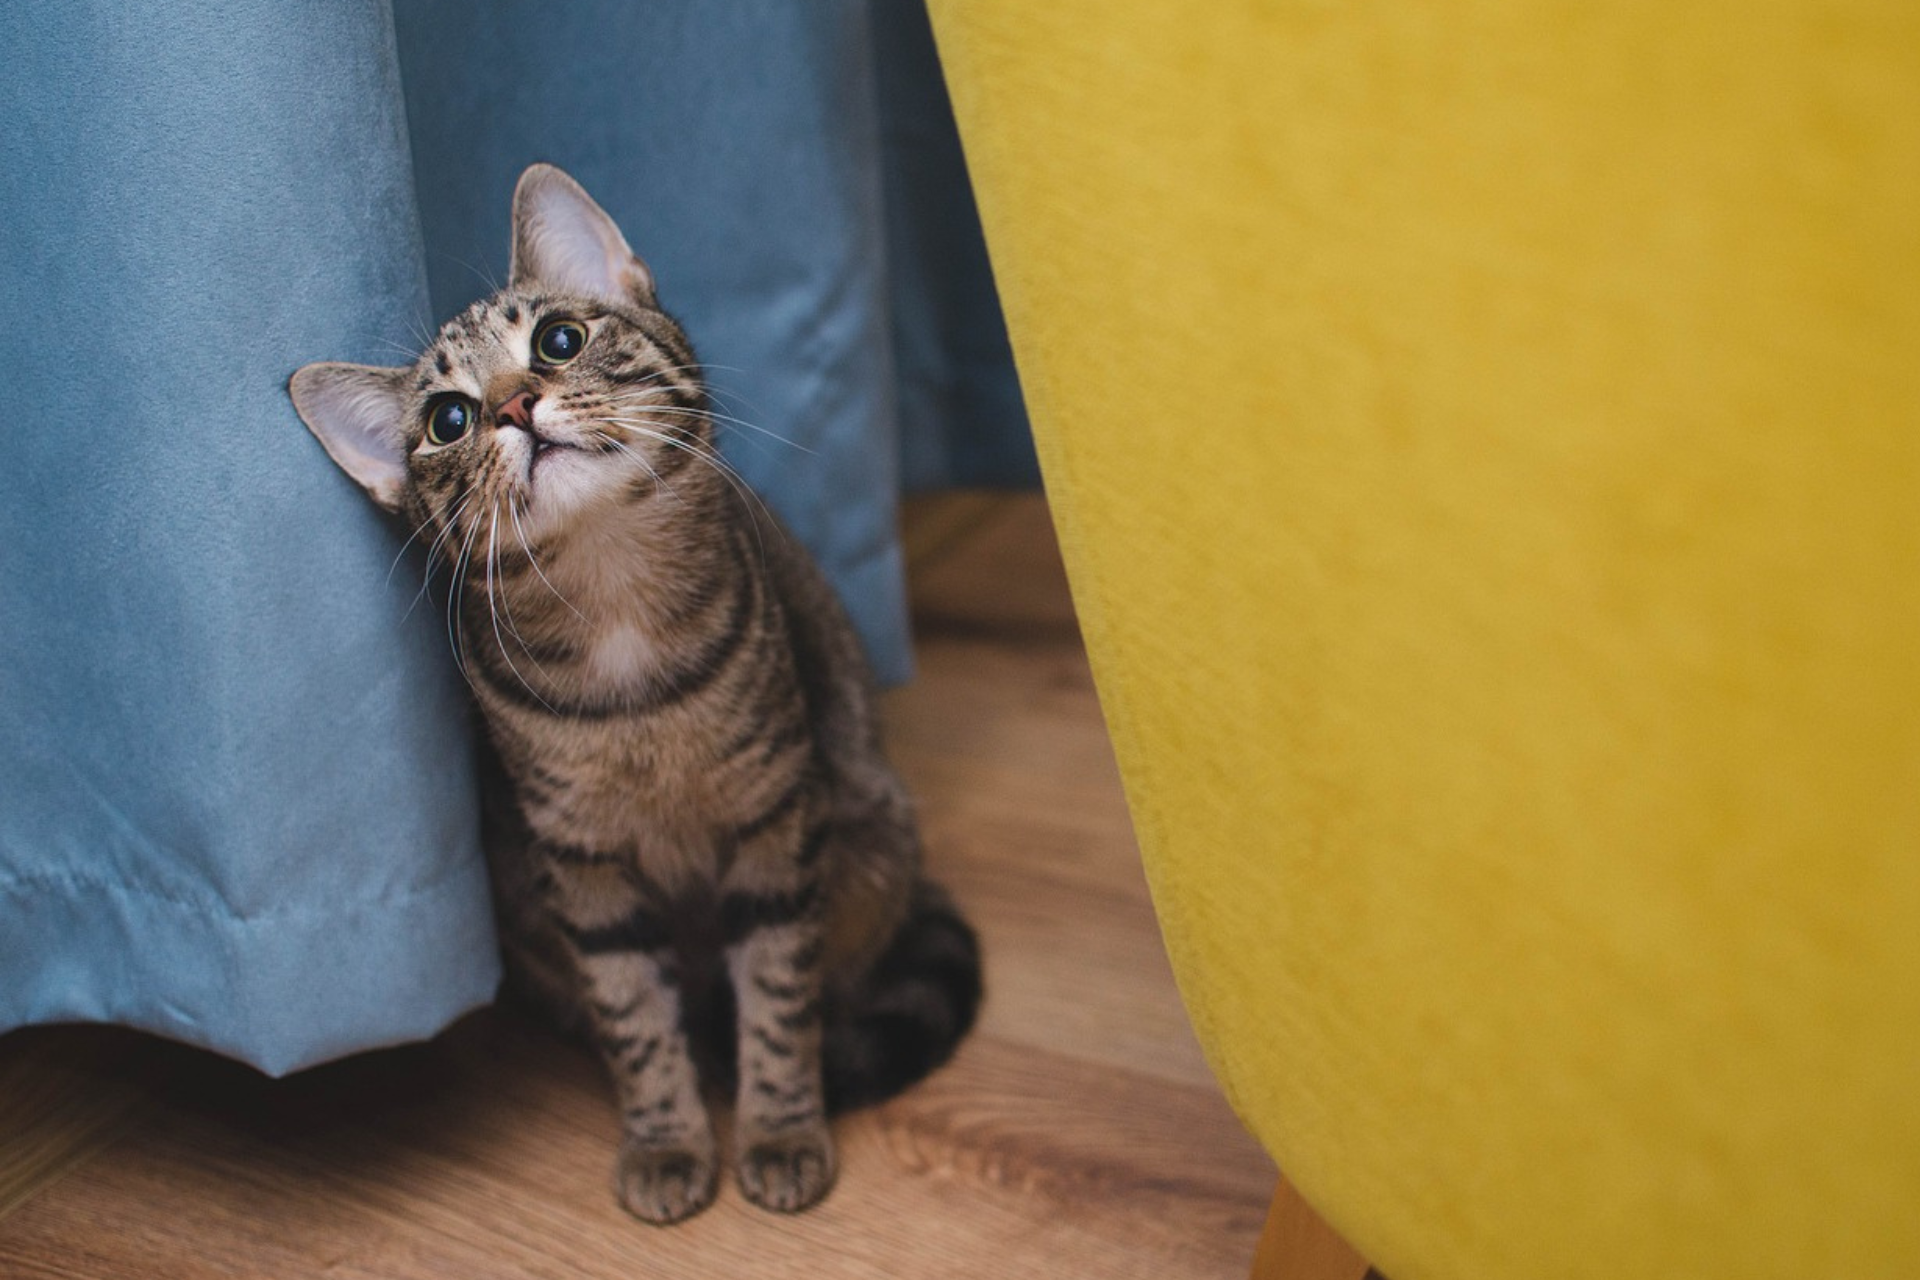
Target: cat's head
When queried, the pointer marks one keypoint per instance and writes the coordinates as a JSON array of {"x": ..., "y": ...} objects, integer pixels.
[{"x": 567, "y": 390}]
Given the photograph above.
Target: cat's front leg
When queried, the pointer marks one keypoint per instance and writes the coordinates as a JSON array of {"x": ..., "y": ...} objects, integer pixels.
[
  {"x": 783, "y": 1150},
  {"x": 667, "y": 1166}
]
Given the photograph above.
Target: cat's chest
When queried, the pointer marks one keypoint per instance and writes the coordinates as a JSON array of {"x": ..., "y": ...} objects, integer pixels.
[
  {"x": 607, "y": 779},
  {"x": 619, "y": 656},
  {"x": 642, "y": 788}
]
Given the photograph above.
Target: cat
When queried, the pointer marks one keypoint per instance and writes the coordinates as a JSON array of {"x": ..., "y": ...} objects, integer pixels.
[{"x": 693, "y": 833}]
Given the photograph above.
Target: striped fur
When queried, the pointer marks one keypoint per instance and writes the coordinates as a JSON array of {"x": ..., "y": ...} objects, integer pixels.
[{"x": 691, "y": 821}]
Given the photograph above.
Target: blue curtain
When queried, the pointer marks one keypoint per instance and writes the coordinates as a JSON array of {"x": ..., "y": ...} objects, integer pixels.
[{"x": 236, "y": 780}]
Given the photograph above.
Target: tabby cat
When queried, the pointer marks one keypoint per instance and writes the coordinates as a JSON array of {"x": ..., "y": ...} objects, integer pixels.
[{"x": 697, "y": 845}]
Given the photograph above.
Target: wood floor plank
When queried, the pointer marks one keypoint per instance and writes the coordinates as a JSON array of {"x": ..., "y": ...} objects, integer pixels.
[
  {"x": 1003, "y": 742},
  {"x": 430, "y": 1170},
  {"x": 1051, "y": 981},
  {"x": 65, "y": 1092},
  {"x": 936, "y": 523},
  {"x": 1005, "y": 576},
  {"x": 1076, "y": 1134}
]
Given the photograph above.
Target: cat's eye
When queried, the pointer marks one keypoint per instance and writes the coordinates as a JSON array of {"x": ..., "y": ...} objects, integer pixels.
[
  {"x": 449, "y": 418},
  {"x": 559, "y": 341}
]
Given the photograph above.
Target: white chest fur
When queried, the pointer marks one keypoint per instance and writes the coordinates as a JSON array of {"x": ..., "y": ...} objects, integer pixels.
[{"x": 621, "y": 654}]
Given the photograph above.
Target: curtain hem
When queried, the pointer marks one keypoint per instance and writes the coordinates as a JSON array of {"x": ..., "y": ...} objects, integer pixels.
[{"x": 371, "y": 973}]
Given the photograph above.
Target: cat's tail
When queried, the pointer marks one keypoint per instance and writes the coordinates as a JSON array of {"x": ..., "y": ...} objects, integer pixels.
[{"x": 911, "y": 1011}]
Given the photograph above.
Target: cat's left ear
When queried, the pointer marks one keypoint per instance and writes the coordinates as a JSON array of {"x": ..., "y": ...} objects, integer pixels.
[
  {"x": 359, "y": 413},
  {"x": 565, "y": 242}
]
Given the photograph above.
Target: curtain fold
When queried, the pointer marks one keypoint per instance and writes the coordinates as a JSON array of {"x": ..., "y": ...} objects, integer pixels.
[{"x": 238, "y": 806}]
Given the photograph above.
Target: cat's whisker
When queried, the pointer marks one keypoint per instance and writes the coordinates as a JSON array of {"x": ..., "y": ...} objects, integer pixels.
[
  {"x": 400, "y": 555},
  {"x": 637, "y": 456},
  {"x": 629, "y": 451},
  {"x": 751, "y": 500},
  {"x": 657, "y": 376},
  {"x": 495, "y": 606},
  {"x": 421, "y": 329},
  {"x": 504, "y": 605},
  {"x": 410, "y": 354},
  {"x": 484, "y": 276},
  {"x": 513, "y": 513},
  {"x": 456, "y": 593},
  {"x": 641, "y": 391},
  {"x": 673, "y": 436},
  {"x": 715, "y": 389},
  {"x": 435, "y": 549},
  {"x": 661, "y": 370},
  {"x": 630, "y": 386},
  {"x": 706, "y": 454},
  {"x": 450, "y": 529},
  {"x": 751, "y": 504},
  {"x": 653, "y": 405},
  {"x": 456, "y": 607}
]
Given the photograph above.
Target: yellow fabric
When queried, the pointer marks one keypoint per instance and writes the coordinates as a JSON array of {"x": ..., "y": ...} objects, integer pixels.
[{"x": 1484, "y": 439}]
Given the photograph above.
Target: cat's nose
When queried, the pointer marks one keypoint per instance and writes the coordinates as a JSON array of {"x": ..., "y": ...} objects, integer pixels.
[{"x": 517, "y": 409}]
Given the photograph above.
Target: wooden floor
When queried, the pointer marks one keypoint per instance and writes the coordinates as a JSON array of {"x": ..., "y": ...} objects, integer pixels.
[{"x": 1077, "y": 1133}]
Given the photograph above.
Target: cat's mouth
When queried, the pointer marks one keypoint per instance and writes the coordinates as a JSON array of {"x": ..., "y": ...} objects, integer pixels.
[
  {"x": 544, "y": 448},
  {"x": 540, "y": 457}
]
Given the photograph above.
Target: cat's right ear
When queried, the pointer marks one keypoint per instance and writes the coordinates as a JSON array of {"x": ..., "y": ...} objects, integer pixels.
[
  {"x": 562, "y": 240},
  {"x": 358, "y": 412}
]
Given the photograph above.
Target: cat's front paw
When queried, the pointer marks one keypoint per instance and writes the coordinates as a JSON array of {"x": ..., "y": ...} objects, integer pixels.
[
  {"x": 788, "y": 1172},
  {"x": 663, "y": 1185}
]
